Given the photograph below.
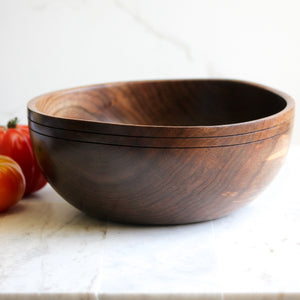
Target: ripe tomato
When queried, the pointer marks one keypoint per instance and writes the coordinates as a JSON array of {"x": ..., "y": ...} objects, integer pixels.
[
  {"x": 12, "y": 182},
  {"x": 15, "y": 143}
]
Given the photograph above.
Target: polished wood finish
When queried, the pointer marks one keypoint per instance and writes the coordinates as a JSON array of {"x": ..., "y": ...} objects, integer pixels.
[{"x": 161, "y": 152}]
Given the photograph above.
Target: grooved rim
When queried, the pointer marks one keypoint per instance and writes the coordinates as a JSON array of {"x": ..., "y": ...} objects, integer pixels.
[{"x": 155, "y": 131}]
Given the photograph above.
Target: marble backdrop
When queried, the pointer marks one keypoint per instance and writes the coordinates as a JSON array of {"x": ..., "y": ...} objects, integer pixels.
[{"x": 53, "y": 44}]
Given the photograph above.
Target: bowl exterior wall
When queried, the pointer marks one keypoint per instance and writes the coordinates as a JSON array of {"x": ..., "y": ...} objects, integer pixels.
[{"x": 148, "y": 185}]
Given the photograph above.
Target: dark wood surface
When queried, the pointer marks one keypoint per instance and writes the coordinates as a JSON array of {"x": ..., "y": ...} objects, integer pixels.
[{"x": 161, "y": 152}]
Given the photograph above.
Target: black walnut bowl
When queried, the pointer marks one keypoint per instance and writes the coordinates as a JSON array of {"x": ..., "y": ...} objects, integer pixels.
[{"x": 161, "y": 152}]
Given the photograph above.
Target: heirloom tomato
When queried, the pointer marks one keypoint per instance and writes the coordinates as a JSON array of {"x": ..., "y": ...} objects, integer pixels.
[
  {"x": 15, "y": 143},
  {"x": 12, "y": 182}
]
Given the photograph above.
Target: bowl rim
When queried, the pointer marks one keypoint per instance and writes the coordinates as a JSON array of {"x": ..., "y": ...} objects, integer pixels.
[{"x": 271, "y": 121}]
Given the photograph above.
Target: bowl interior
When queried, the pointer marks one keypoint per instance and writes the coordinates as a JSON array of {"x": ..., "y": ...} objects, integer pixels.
[{"x": 168, "y": 103}]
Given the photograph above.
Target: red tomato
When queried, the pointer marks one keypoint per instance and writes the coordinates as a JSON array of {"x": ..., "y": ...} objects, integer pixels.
[
  {"x": 15, "y": 143},
  {"x": 12, "y": 182}
]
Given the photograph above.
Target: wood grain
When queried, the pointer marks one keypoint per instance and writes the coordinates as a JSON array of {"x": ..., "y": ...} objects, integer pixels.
[{"x": 161, "y": 152}]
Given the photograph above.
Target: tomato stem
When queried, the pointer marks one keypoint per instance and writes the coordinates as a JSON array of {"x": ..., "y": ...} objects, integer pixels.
[{"x": 13, "y": 123}]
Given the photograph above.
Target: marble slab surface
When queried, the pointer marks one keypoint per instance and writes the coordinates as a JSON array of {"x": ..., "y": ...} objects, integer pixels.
[{"x": 50, "y": 250}]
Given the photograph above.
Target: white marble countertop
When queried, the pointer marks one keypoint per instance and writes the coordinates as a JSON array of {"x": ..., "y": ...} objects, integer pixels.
[{"x": 50, "y": 250}]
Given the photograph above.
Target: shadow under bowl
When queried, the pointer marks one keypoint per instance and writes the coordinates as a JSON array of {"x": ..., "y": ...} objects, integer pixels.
[{"x": 161, "y": 152}]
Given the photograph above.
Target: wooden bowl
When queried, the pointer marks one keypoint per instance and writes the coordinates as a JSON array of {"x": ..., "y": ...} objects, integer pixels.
[{"x": 161, "y": 152}]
